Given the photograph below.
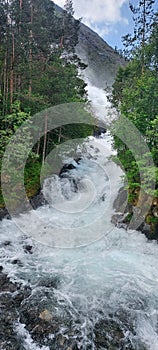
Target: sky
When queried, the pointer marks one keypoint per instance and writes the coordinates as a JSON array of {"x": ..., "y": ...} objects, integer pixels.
[{"x": 111, "y": 19}]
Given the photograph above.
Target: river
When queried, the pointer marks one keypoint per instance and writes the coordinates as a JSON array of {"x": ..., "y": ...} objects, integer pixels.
[{"x": 95, "y": 284}]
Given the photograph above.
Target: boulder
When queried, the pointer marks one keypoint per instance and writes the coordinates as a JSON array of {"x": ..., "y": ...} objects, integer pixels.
[
  {"x": 38, "y": 200},
  {"x": 120, "y": 202},
  {"x": 69, "y": 166},
  {"x": 4, "y": 214}
]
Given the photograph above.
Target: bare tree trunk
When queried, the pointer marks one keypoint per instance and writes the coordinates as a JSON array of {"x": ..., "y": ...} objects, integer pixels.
[
  {"x": 45, "y": 137},
  {"x": 30, "y": 50},
  {"x": 6, "y": 64},
  {"x": 7, "y": 94},
  {"x": 20, "y": 5},
  {"x": 19, "y": 75},
  {"x": 59, "y": 135},
  {"x": 12, "y": 73},
  {"x": 5, "y": 84},
  {"x": 38, "y": 148},
  {"x": 143, "y": 35}
]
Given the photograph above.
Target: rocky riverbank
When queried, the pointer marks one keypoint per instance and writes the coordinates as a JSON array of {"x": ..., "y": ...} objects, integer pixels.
[
  {"x": 124, "y": 212},
  {"x": 11, "y": 297}
]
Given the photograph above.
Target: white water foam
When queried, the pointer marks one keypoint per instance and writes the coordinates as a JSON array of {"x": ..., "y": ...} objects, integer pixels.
[{"x": 113, "y": 273}]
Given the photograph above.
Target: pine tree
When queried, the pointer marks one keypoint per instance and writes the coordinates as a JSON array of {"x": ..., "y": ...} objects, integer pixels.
[
  {"x": 135, "y": 94},
  {"x": 70, "y": 28},
  {"x": 153, "y": 46},
  {"x": 69, "y": 7},
  {"x": 142, "y": 17}
]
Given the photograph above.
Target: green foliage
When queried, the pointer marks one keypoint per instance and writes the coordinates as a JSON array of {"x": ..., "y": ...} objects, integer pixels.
[
  {"x": 32, "y": 177},
  {"x": 59, "y": 83},
  {"x": 74, "y": 131},
  {"x": 38, "y": 69},
  {"x": 33, "y": 63},
  {"x": 134, "y": 95},
  {"x": 142, "y": 16},
  {"x": 9, "y": 125}
]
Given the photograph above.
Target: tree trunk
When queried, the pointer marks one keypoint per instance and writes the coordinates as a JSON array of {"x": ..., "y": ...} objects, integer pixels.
[
  {"x": 19, "y": 75},
  {"x": 45, "y": 137},
  {"x": 5, "y": 84},
  {"x": 6, "y": 66},
  {"x": 59, "y": 136},
  {"x": 30, "y": 50},
  {"x": 12, "y": 73},
  {"x": 143, "y": 35}
]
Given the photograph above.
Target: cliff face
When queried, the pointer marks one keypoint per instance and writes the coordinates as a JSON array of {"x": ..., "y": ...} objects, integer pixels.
[{"x": 102, "y": 60}]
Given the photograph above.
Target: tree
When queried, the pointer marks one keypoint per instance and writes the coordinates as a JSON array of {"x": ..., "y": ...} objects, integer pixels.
[
  {"x": 152, "y": 48},
  {"x": 34, "y": 72},
  {"x": 70, "y": 28},
  {"x": 135, "y": 94},
  {"x": 142, "y": 17}
]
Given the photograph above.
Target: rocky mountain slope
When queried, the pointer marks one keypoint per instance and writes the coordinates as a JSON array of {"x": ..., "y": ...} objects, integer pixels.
[{"x": 102, "y": 60}]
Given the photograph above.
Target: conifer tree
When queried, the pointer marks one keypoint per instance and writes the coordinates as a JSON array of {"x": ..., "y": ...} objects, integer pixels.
[
  {"x": 142, "y": 17},
  {"x": 70, "y": 27}
]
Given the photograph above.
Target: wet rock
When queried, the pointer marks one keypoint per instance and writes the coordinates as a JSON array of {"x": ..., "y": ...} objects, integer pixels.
[
  {"x": 4, "y": 214},
  {"x": 120, "y": 202},
  {"x": 62, "y": 341},
  {"x": 38, "y": 200},
  {"x": 130, "y": 216},
  {"x": 28, "y": 248},
  {"x": 66, "y": 168},
  {"x": 156, "y": 230},
  {"x": 107, "y": 332},
  {"x": 110, "y": 334},
  {"x": 120, "y": 220},
  {"x": 122, "y": 225},
  {"x": 146, "y": 229},
  {"x": 21, "y": 295},
  {"x": 103, "y": 197},
  {"x": 45, "y": 318},
  {"x": 6, "y": 285},
  {"x": 149, "y": 233},
  {"x": 36, "y": 313},
  {"x": 6, "y": 243},
  {"x": 98, "y": 131},
  {"x": 69, "y": 166},
  {"x": 78, "y": 160},
  {"x": 65, "y": 173},
  {"x": 17, "y": 262},
  {"x": 49, "y": 282},
  {"x": 45, "y": 315},
  {"x": 9, "y": 303},
  {"x": 116, "y": 218},
  {"x": 137, "y": 218}
]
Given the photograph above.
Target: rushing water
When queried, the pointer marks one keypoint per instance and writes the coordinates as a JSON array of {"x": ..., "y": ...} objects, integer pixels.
[{"x": 106, "y": 292}]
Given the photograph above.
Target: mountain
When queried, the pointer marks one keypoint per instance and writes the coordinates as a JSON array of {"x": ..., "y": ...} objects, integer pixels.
[{"x": 102, "y": 60}]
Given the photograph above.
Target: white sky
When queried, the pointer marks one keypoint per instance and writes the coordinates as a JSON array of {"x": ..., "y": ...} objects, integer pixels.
[
  {"x": 97, "y": 10},
  {"x": 111, "y": 19},
  {"x": 103, "y": 16}
]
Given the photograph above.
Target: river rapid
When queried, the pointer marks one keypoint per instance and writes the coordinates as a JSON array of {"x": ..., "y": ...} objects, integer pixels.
[{"x": 90, "y": 284}]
